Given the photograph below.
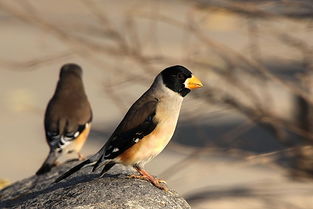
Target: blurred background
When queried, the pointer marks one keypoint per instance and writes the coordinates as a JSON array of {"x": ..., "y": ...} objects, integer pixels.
[{"x": 244, "y": 140}]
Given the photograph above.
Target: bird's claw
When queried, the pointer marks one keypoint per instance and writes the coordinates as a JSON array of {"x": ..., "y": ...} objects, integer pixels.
[
  {"x": 133, "y": 176},
  {"x": 161, "y": 181},
  {"x": 156, "y": 182}
]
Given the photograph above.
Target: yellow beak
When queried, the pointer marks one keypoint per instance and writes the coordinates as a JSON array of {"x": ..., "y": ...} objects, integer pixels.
[{"x": 193, "y": 83}]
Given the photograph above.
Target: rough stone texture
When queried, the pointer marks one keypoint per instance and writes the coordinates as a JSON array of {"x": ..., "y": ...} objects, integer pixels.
[{"x": 87, "y": 190}]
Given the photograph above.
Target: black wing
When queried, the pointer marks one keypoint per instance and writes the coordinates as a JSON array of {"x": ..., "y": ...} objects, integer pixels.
[{"x": 137, "y": 123}]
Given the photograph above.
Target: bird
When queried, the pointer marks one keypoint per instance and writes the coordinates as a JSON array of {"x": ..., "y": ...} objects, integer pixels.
[
  {"x": 68, "y": 117},
  {"x": 146, "y": 128}
]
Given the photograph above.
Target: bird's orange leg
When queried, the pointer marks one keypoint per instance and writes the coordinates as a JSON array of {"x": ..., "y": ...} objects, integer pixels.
[{"x": 146, "y": 176}]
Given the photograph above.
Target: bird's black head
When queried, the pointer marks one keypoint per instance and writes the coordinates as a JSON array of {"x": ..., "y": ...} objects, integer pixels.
[
  {"x": 71, "y": 69},
  {"x": 180, "y": 79}
]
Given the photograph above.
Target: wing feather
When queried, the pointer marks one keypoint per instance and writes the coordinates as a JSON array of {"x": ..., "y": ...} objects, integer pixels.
[{"x": 138, "y": 122}]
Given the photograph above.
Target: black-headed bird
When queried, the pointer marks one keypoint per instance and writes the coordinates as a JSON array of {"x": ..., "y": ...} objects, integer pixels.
[
  {"x": 147, "y": 127},
  {"x": 68, "y": 117}
]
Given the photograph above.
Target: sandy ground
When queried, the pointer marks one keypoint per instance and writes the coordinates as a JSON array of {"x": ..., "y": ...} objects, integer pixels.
[{"x": 213, "y": 181}]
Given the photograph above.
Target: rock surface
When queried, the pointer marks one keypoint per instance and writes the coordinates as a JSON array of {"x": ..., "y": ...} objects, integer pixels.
[{"x": 86, "y": 190}]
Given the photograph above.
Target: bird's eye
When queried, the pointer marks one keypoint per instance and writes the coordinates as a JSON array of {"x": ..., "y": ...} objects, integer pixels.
[{"x": 180, "y": 76}]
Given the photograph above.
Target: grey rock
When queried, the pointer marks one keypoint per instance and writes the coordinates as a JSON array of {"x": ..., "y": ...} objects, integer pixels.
[{"x": 86, "y": 190}]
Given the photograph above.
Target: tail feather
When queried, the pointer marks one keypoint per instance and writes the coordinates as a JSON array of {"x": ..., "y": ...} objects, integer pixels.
[
  {"x": 89, "y": 162},
  {"x": 97, "y": 164},
  {"x": 107, "y": 167},
  {"x": 73, "y": 170},
  {"x": 100, "y": 159},
  {"x": 49, "y": 163},
  {"x": 96, "y": 160}
]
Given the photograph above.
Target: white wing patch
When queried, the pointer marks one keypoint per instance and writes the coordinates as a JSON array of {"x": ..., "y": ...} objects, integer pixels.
[
  {"x": 64, "y": 141},
  {"x": 76, "y": 134},
  {"x": 116, "y": 149}
]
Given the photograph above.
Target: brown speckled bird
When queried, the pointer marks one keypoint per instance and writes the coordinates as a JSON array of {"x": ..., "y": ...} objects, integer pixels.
[
  {"x": 68, "y": 117},
  {"x": 147, "y": 127}
]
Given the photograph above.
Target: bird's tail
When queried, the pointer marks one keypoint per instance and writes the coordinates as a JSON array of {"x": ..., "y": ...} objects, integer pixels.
[
  {"x": 102, "y": 161},
  {"x": 89, "y": 162},
  {"x": 49, "y": 163},
  {"x": 99, "y": 161}
]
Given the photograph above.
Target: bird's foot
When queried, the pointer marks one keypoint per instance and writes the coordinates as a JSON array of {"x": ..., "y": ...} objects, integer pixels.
[
  {"x": 133, "y": 176},
  {"x": 159, "y": 183}
]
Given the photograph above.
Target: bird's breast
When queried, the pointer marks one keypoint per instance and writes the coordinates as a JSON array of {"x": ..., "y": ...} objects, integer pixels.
[{"x": 151, "y": 145}]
